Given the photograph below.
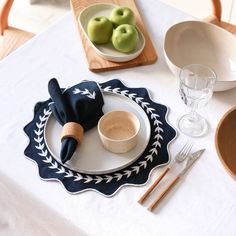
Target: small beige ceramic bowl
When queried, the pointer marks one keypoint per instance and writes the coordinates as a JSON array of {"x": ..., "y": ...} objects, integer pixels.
[{"x": 118, "y": 131}]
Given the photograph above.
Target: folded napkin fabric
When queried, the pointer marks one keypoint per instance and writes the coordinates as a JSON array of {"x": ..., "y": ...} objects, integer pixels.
[{"x": 81, "y": 104}]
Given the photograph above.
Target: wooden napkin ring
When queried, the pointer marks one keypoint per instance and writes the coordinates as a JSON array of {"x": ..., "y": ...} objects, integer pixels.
[{"x": 72, "y": 130}]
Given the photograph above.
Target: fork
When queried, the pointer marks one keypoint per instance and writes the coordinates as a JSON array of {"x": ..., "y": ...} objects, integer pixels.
[{"x": 180, "y": 157}]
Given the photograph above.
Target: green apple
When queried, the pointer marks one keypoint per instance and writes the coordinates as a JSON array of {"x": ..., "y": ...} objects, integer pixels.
[
  {"x": 99, "y": 29},
  {"x": 125, "y": 38},
  {"x": 122, "y": 15}
]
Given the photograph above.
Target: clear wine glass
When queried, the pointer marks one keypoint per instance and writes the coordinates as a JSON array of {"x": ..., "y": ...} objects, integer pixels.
[{"x": 196, "y": 88}]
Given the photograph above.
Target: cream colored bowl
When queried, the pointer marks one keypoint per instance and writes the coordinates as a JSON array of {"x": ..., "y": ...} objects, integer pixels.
[
  {"x": 118, "y": 131},
  {"x": 197, "y": 42}
]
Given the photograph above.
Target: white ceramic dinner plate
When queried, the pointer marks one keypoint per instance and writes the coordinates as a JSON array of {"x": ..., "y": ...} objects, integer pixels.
[
  {"x": 91, "y": 157},
  {"x": 107, "y": 51}
]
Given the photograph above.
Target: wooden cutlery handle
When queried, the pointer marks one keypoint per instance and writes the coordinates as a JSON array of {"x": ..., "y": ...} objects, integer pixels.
[
  {"x": 141, "y": 200},
  {"x": 163, "y": 194}
]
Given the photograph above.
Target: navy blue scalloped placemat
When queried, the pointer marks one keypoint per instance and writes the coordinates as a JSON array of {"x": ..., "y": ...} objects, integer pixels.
[{"x": 155, "y": 154}]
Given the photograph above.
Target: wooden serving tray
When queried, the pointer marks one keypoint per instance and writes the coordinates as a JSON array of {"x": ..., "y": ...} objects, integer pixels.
[{"x": 98, "y": 64}]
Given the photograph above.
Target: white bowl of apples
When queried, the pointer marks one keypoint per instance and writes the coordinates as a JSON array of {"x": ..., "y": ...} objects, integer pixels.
[{"x": 111, "y": 31}]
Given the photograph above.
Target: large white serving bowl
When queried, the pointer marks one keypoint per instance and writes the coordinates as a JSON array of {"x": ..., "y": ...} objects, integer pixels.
[{"x": 197, "y": 42}]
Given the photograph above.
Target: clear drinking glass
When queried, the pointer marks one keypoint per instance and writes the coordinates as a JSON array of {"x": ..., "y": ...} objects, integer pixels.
[{"x": 196, "y": 88}]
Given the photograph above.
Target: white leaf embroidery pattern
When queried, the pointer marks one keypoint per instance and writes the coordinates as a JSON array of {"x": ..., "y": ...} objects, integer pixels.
[{"x": 86, "y": 92}]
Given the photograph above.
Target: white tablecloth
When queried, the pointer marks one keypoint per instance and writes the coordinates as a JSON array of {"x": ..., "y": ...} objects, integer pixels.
[{"x": 203, "y": 204}]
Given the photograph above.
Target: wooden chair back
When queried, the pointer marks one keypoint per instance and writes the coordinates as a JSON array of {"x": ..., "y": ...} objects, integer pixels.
[
  {"x": 215, "y": 18},
  {"x": 11, "y": 38}
]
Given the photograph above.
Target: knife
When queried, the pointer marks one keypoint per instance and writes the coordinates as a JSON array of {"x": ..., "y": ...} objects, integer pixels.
[{"x": 191, "y": 160}]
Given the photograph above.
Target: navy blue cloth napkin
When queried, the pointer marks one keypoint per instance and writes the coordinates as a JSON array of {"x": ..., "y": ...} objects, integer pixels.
[{"x": 81, "y": 103}]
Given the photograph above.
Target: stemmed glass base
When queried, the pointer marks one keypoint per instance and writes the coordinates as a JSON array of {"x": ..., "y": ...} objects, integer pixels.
[{"x": 192, "y": 124}]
